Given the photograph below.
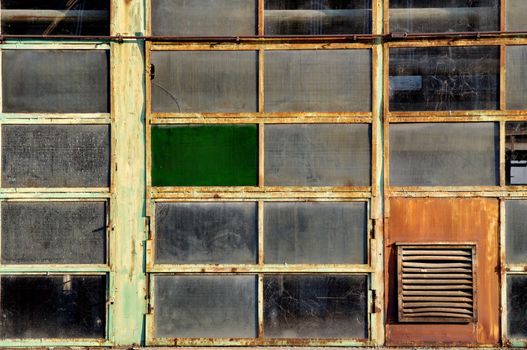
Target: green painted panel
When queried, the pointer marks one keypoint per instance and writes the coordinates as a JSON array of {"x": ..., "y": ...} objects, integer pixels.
[{"x": 205, "y": 155}]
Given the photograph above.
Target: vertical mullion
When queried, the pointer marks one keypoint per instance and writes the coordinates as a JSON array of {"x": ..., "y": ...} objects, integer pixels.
[
  {"x": 503, "y": 274},
  {"x": 502, "y": 73},
  {"x": 502, "y": 154},
  {"x": 260, "y": 233},
  {"x": 261, "y": 126},
  {"x": 503, "y": 15},
  {"x": 260, "y": 305},
  {"x": 261, "y": 5}
]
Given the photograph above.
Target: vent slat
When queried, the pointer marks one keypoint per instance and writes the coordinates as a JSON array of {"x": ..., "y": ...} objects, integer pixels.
[
  {"x": 438, "y": 270},
  {"x": 431, "y": 304},
  {"x": 439, "y": 287},
  {"x": 441, "y": 314},
  {"x": 436, "y": 265},
  {"x": 443, "y": 293},
  {"x": 439, "y": 299},
  {"x": 437, "y": 275},
  {"x": 436, "y": 257},
  {"x": 436, "y": 252},
  {"x": 438, "y": 309},
  {"x": 434, "y": 281}
]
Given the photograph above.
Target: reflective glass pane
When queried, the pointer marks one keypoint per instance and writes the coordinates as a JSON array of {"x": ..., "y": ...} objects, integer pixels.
[
  {"x": 300, "y": 17},
  {"x": 205, "y": 81},
  {"x": 517, "y": 306},
  {"x": 53, "y": 232},
  {"x": 516, "y": 78},
  {"x": 516, "y": 153},
  {"x": 315, "y": 233},
  {"x": 516, "y": 10},
  {"x": 205, "y": 306},
  {"x": 444, "y": 78},
  {"x": 55, "y": 81},
  {"x": 206, "y": 233},
  {"x": 57, "y": 306},
  {"x": 315, "y": 306},
  {"x": 444, "y": 154},
  {"x": 317, "y": 81},
  {"x": 516, "y": 237}
]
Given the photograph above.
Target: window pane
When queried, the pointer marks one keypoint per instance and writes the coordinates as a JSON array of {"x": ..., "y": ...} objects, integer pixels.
[
  {"x": 55, "y": 81},
  {"x": 516, "y": 79},
  {"x": 431, "y": 16},
  {"x": 517, "y": 306},
  {"x": 65, "y": 306},
  {"x": 316, "y": 306},
  {"x": 444, "y": 154},
  {"x": 205, "y": 306},
  {"x": 55, "y": 17},
  {"x": 55, "y": 155},
  {"x": 53, "y": 233},
  {"x": 516, "y": 10},
  {"x": 444, "y": 78},
  {"x": 317, "y": 81},
  {"x": 205, "y": 155},
  {"x": 299, "y": 17},
  {"x": 516, "y": 239},
  {"x": 204, "y": 17},
  {"x": 315, "y": 233},
  {"x": 516, "y": 153},
  {"x": 317, "y": 155},
  {"x": 205, "y": 81},
  {"x": 206, "y": 233}
]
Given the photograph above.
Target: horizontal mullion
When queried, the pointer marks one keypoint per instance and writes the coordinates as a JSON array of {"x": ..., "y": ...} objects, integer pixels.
[
  {"x": 55, "y": 118},
  {"x": 51, "y": 44},
  {"x": 500, "y": 193},
  {"x": 454, "y": 117},
  {"x": 54, "y": 342},
  {"x": 54, "y": 269},
  {"x": 516, "y": 268},
  {"x": 256, "y": 342},
  {"x": 433, "y": 42},
  {"x": 269, "y": 268},
  {"x": 267, "y": 118},
  {"x": 261, "y": 44},
  {"x": 54, "y": 193}
]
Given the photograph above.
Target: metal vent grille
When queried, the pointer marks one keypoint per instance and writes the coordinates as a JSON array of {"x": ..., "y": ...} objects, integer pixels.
[{"x": 436, "y": 283}]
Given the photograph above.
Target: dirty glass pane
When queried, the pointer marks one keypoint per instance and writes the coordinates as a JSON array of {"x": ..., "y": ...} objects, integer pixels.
[
  {"x": 57, "y": 306},
  {"x": 208, "y": 232},
  {"x": 315, "y": 306},
  {"x": 55, "y": 17},
  {"x": 516, "y": 79},
  {"x": 436, "y": 16},
  {"x": 315, "y": 233},
  {"x": 517, "y": 306},
  {"x": 205, "y": 306},
  {"x": 516, "y": 10},
  {"x": 516, "y": 237},
  {"x": 444, "y": 154},
  {"x": 55, "y": 81},
  {"x": 444, "y": 78},
  {"x": 55, "y": 155},
  {"x": 300, "y": 17},
  {"x": 205, "y": 155},
  {"x": 317, "y": 81},
  {"x": 205, "y": 81},
  {"x": 516, "y": 153},
  {"x": 204, "y": 17},
  {"x": 317, "y": 155},
  {"x": 53, "y": 232}
]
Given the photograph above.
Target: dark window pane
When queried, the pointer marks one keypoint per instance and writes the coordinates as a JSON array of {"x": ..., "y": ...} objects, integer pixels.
[
  {"x": 317, "y": 155},
  {"x": 516, "y": 237},
  {"x": 517, "y": 306},
  {"x": 317, "y": 81},
  {"x": 516, "y": 79},
  {"x": 55, "y": 155},
  {"x": 204, "y": 17},
  {"x": 431, "y": 16},
  {"x": 206, "y": 233},
  {"x": 516, "y": 10},
  {"x": 321, "y": 306},
  {"x": 205, "y": 81},
  {"x": 55, "y": 17},
  {"x": 55, "y": 81},
  {"x": 444, "y": 78},
  {"x": 316, "y": 233},
  {"x": 65, "y": 306},
  {"x": 516, "y": 153},
  {"x": 205, "y": 306},
  {"x": 444, "y": 154},
  {"x": 205, "y": 155},
  {"x": 300, "y": 17},
  {"x": 53, "y": 232}
]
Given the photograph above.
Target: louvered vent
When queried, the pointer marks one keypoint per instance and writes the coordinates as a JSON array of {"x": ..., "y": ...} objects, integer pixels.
[{"x": 436, "y": 283}]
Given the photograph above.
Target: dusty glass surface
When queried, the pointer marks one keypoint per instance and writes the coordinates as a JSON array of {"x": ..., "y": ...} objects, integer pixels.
[
  {"x": 205, "y": 81},
  {"x": 206, "y": 233},
  {"x": 444, "y": 154},
  {"x": 317, "y": 81},
  {"x": 432, "y": 16},
  {"x": 516, "y": 153},
  {"x": 315, "y": 233},
  {"x": 315, "y": 306},
  {"x": 57, "y": 306},
  {"x": 317, "y": 155},
  {"x": 55, "y": 81},
  {"x": 53, "y": 232},
  {"x": 55, "y": 155},
  {"x": 516, "y": 77},
  {"x": 517, "y": 306},
  {"x": 55, "y": 17},
  {"x": 515, "y": 15},
  {"x": 205, "y": 306},
  {"x": 444, "y": 78},
  {"x": 516, "y": 239},
  {"x": 204, "y": 17},
  {"x": 300, "y": 17}
]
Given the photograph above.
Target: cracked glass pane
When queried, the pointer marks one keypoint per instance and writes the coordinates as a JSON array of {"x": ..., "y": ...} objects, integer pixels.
[
  {"x": 516, "y": 153},
  {"x": 517, "y": 306}
]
